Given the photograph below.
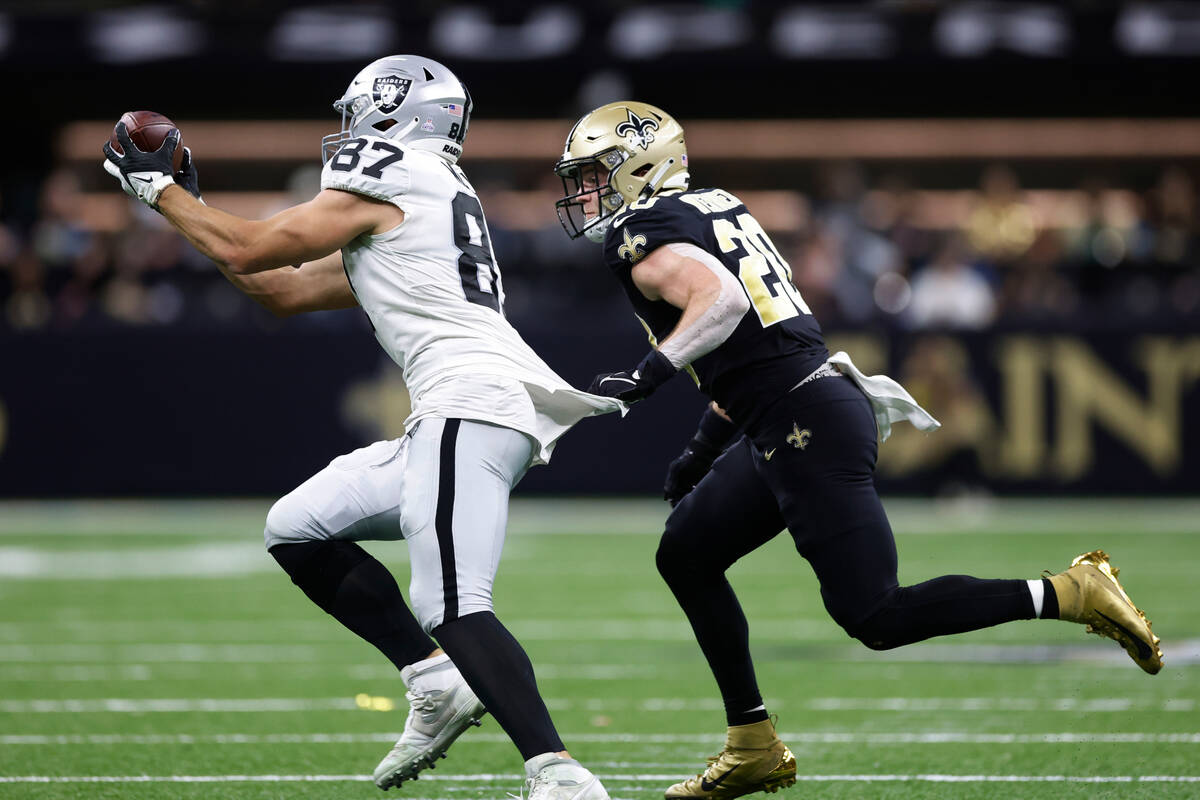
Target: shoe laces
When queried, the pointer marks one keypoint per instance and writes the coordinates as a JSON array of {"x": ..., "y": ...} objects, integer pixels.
[
  {"x": 531, "y": 785},
  {"x": 424, "y": 702},
  {"x": 527, "y": 786}
]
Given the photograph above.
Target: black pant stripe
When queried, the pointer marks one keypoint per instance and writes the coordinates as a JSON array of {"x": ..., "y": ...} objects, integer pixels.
[{"x": 444, "y": 519}]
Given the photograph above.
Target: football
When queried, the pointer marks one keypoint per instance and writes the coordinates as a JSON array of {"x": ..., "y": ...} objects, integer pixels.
[{"x": 147, "y": 129}]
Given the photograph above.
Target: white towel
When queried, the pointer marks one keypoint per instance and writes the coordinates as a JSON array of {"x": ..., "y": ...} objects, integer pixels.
[{"x": 889, "y": 400}]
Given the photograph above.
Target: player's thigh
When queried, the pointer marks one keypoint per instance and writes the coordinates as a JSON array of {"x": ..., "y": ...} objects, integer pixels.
[
  {"x": 455, "y": 512},
  {"x": 356, "y": 497},
  {"x": 730, "y": 513},
  {"x": 826, "y": 490}
]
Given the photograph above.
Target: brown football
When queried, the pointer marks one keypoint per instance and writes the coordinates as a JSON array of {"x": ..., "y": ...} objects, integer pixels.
[{"x": 147, "y": 129}]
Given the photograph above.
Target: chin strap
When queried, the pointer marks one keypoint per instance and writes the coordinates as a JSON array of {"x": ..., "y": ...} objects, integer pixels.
[
  {"x": 399, "y": 135},
  {"x": 652, "y": 183}
]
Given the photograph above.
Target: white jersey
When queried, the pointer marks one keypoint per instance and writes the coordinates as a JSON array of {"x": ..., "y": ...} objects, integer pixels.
[{"x": 433, "y": 293}]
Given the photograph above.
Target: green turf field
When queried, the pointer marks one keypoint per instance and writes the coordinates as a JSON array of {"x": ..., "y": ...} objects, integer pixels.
[{"x": 155, "y": 651}]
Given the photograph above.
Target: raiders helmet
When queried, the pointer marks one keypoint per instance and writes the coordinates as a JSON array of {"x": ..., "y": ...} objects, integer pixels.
[
  {"x": 411, "y": 99},
  {"x": 640, "y": 147}
]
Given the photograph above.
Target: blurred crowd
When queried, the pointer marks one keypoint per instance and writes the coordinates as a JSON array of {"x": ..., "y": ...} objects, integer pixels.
[
  {"x": 1099, "y": 254},
  {"x": 868, "y": 252}
]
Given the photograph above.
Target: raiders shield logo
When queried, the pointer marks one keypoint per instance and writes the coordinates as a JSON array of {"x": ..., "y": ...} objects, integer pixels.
[
  {"x": 638, "y": 130},
  {"x": 389, "y": 92}
]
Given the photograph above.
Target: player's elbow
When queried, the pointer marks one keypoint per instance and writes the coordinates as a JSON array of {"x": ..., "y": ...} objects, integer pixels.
[
  {"x": 234, "y": 258},
  {"x": 278, "y": 307},
  {"x": 243, "y": 261},
  {"x": 244, "y": 255},
  {"x": 739, "y": 304}
]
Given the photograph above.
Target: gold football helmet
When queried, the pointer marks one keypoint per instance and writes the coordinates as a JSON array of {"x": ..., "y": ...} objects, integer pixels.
[{"x": 620, "y": 152}]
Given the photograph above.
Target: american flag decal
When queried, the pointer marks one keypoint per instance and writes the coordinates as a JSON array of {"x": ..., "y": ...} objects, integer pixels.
[{"x": 454, "y": 110}]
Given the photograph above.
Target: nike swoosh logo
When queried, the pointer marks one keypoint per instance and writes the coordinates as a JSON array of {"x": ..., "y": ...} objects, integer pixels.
[
  {"x": 707, "y": 785},
  {"x": 767, "y": 455},
  {"x": 139, "y": 180},
  {"x": 1142, "y": 648},
  {"x": 632, "y": 383}
]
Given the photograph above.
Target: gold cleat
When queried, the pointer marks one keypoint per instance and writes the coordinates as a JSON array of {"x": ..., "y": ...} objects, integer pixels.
[
  {"x": 1088, "y": 592},
  {"x": 754, "y": 760}
]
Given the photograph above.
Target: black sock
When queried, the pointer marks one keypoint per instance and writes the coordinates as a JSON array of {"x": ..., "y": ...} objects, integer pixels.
[
  {"x": 501, "y": 675},
  {"x": 733, "y": 717},
  {"x": 1049, "y": 600},
  {"x": 351, "y": 585}
]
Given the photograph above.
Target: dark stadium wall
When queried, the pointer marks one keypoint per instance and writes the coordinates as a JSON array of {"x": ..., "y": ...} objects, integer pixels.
[{"x": 123, "y": 413}]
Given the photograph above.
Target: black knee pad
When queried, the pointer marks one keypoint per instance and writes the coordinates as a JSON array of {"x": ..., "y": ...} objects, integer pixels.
[
  {"x": 673, "y": 557},
  {"x": 878, "y": 630},
  {"x": 318, "y": 567}
]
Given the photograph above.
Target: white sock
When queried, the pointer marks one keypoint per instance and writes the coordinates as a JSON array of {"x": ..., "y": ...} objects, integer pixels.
[
  {"x": 436, "y": 672},
  {"x": 535, "y": 765},
  {"x": 1037, "y": 591}
]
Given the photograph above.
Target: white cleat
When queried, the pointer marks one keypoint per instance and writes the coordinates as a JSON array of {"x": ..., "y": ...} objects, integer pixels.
[
  {"x": 441, "y": 708},
  {"x": 557, "y": 778}
]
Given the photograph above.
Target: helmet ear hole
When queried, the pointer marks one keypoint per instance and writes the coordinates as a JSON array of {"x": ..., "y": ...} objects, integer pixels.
[
  {"x": 641, "y": 171},
  {"x": 384, "y": 124}
]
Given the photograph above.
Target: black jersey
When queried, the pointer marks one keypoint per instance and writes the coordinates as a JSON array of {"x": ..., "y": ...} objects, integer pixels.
[{"x": 778, "y": 341}]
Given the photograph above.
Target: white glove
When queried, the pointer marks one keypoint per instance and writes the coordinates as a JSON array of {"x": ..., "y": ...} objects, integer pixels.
[{"x": 141, "y": 175}]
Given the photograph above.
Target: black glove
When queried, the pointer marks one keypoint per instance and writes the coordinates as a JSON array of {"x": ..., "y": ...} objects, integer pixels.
[
  {"x": 187, "y": 177},
  {"x": 142, "y": 175},
  {"x": 697, "y": 458},
  {"x": 637, "y": 383}
]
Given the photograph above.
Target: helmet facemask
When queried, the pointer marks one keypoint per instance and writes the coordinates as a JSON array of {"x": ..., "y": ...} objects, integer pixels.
[{"x": 584, "y": 177}]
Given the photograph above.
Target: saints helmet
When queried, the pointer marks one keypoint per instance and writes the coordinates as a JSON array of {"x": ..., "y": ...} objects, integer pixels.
[
  {"x": 641, "y": 149},
  {"x": 411, "y": 99}
]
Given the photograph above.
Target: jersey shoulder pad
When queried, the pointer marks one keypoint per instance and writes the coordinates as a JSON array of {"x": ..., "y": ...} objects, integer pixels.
[
  {"x": 370, "y": 166},
  {"x": 647, "y": 225}
]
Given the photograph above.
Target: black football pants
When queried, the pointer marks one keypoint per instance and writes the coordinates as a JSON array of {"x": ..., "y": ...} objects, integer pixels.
[{"x": 818, "y": 483}]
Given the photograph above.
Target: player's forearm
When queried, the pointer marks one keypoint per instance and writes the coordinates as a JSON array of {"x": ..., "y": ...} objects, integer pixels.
[
  {"x": 708, "y": 319},
  {"x": 317, "y": 286},
  {"x": 265, "y": 288},
  {"x": 240, "y": 245},
  {"x": 223, "y": 237}
]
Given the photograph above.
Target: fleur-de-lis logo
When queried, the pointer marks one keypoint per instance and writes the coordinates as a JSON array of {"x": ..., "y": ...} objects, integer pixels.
[
  {"x": 799, "y": 438},
  {"x": 632, "y": 249},
  {"x": 638, "y": 130}
]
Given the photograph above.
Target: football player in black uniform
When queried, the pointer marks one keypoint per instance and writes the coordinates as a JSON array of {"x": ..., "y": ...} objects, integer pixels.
[{"x": 789, "y": 440}]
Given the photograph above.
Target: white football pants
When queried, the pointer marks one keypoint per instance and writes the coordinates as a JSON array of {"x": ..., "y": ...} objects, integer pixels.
[{"x": 443, "y": 487}]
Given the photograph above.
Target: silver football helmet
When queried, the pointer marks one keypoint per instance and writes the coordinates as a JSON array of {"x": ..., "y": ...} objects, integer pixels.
[{"x": 411, "y": 99}]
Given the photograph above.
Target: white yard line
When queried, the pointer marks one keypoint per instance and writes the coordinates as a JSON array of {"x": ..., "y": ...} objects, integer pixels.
[
  {"x": 128, "y": 705},
  {"x": 122, "y": 705},
  {"x": 805, "y": 737},
  {"x": 614, "y": 778},
  {"x": 194, "y": 561},
  {"x": 814, "y": 633},
  {"x": 994, "y": 704},
  {"x": 179, "y": 671}
]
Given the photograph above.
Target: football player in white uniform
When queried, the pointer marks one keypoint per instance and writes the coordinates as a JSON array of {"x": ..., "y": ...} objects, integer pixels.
[{"x": 418, "y": 259}]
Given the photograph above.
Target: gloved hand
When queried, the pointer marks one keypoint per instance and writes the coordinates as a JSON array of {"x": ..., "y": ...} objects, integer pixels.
[
  {"x": 687, "y": 470},
  {"x": 637, "y": 383},
  {"x": 698, "y": 456},
  {"x": 142, "y": 175},
  {"x": 187, "y": 178}
]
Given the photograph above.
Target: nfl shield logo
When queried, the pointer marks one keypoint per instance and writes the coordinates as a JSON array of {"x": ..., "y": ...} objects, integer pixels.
[{"x": 389, "y": 92}]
